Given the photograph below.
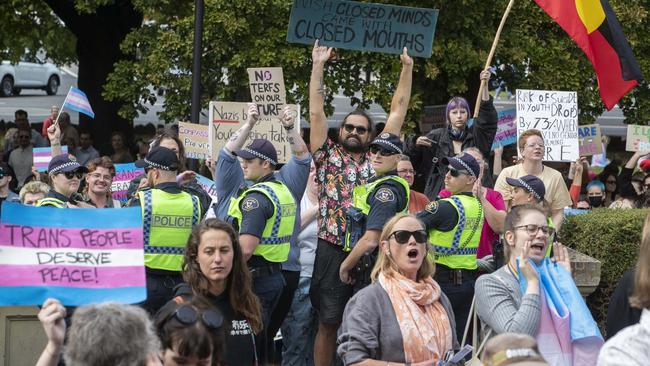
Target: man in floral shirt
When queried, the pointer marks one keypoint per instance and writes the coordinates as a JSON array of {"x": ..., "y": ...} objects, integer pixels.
[{"x": 340, "y": 167}]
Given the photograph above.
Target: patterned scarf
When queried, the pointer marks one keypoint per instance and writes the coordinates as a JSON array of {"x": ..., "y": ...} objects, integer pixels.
[{"x": 426, "y": 330}]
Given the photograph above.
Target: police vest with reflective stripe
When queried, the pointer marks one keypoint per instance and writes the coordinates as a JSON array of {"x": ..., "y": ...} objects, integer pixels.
[
  {"x": 167, "y": 223},
  {"x": 457, "y": 248},
  {"x": 51, "y": 201},
  {"x": 276, "y": 237},
  {"x": 361, "y": 201}
]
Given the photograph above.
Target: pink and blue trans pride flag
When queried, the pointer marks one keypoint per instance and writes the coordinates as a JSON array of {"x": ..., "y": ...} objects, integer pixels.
[
  {"x": 78, "y": 101},
  {"x": 72, "y": 256}
]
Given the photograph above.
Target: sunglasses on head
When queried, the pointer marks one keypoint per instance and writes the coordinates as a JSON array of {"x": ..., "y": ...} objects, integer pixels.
[
  {"x": 403, "y": 236},
  {"x": 69, "y": 175},
  {"x": 188, "y": 315},
  {"x": 457, "y": 172},
  {"x": 360, "y": 129},
  {"x": 374, "y": 149}
]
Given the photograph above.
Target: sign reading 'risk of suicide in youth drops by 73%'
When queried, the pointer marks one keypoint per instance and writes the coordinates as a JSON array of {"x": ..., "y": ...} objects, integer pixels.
[{"x": 363, "y": 26}]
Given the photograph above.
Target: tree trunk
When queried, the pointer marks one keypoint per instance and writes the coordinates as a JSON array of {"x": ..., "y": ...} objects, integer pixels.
[{"x": 98, "y": 48}]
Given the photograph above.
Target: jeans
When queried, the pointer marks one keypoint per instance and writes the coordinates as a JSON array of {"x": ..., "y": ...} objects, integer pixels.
[
  {"x": 268, "y": 290},
  {"x": 299, "y": 328}
]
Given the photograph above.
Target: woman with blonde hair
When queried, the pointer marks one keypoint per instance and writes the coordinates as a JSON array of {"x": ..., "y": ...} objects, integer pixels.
[
  {"x": 402, "y": 317},
  {"x": 631, "y": 346}
]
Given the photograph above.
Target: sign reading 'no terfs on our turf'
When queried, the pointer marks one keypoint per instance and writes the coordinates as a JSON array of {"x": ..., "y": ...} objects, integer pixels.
[
  {"x": 363, "y": 26},
  {"x": 555, "y": 115}
]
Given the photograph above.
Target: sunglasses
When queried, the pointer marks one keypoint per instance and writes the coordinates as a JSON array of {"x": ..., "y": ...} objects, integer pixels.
[
  {"x": 457, "y": 172},
  {"x": 403, "y": 236},
  {"x": 374, "y": 149},
  {"x": 70, "y": 175},
  {"x": 188, "y": 315},
  {"x": 360, "y": 129}
]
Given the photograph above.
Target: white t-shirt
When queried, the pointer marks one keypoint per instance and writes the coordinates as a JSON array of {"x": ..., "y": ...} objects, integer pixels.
[{"x": 307, "y": 240}]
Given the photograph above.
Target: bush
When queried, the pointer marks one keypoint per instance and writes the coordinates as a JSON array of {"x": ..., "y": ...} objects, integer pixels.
[{"x": 612, "y": 237}]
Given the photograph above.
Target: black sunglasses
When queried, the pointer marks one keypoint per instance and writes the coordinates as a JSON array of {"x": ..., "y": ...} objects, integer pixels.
[
  {"x": 69, "y": 175},
  {"x": 457, "y": 172},
  {"x": 188, "y": 315},
  {"x": 374, "y": 149},
  {"x": 403, "y": 236},
  {"x": 360, "y": 129}
]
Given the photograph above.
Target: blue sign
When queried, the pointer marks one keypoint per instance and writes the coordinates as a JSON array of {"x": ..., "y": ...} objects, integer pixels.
[{"x": 363, "y": 26}]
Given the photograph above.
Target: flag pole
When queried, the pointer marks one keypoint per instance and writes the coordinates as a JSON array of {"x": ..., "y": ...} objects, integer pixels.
[
  {"x": 488, "y": 62},
  {"x": 61, "y": 109}
]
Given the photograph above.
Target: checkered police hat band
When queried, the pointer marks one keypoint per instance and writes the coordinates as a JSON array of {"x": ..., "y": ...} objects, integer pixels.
[
  {"x": 389, "y": 144},
  {"x": 156, "y": 165},
  {"x": 529, "y": 188},
  {"x": 260, "y": 155},
  {"x": 464, "y": 164},
  {"x": 65, "y": 165}
]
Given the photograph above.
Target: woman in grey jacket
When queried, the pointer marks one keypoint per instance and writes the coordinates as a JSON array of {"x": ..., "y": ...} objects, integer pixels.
[{"x": 402, "y": 317}]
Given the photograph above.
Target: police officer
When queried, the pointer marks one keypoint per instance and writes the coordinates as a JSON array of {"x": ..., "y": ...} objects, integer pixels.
[
  {"x": 374, "y": 204},
  {"x": 454, "y": 225},
  {"x": 168, "y": 215},
  {"x": 65, "y": 175}
]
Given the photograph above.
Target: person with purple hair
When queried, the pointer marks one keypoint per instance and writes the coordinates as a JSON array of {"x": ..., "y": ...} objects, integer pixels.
[{"x": 427, "y": 151}]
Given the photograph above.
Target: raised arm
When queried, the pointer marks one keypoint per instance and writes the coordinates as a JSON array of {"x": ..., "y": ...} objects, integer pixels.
[
  {"x": 317, "y": 118},
  {"x": 238, "y": 139},
  {"x": 400, "y": 103},
  {"x": 298, "y": 146},
  {"x": 54, "y": 135}
]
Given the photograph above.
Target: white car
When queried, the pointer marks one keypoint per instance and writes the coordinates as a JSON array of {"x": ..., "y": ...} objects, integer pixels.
[{"x": 28, "y": 75}]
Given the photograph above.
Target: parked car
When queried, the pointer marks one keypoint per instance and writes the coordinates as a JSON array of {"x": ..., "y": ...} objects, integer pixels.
[{"x": 32, "y": 73}]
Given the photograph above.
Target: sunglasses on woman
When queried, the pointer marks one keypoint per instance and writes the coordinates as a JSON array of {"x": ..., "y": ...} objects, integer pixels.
[
  {"x": 69, "y": 175},
  {"x": 374, "y": 149},
  {"x": 188, "y": 315},
  {"x": 458, "y": 172},
  {"x": 403, "y": 236}
]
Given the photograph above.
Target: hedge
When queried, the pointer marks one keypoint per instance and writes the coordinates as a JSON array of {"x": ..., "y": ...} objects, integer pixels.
[{"x": 611, "y": 236}]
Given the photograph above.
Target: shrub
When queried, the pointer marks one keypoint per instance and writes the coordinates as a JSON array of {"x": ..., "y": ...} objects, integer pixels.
[{"x": 612, "y": 237}]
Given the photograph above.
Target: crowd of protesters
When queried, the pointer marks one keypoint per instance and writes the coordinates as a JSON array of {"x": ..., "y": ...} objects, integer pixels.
[{"x": 336, "y": 249}]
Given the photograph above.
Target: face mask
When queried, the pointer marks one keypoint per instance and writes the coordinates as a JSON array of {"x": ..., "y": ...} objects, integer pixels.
[{"x": 595, "y": 201}]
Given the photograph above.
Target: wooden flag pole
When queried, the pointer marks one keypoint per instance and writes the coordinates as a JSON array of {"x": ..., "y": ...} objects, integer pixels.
[{"x": 489, "y": 59}]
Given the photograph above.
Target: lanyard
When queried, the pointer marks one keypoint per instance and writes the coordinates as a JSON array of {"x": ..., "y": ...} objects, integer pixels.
[{"x": 513, "y": 270}]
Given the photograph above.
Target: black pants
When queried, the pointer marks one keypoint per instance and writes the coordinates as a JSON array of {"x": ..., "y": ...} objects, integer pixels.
[
  {"x": 460, "y": 296},
  {"x": 160, "y": 289},
  {"x": 291, "y": 278}
]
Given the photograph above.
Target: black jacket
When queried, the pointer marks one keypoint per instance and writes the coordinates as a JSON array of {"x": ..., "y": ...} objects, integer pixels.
[{"x": 430, "y": 173}]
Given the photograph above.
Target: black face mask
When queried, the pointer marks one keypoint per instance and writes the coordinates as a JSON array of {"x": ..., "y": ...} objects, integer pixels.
[{"x": 595, "y": 201}]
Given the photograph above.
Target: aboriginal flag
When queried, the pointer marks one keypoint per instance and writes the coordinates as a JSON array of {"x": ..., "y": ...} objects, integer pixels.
[{"x": 593, "y": 26}]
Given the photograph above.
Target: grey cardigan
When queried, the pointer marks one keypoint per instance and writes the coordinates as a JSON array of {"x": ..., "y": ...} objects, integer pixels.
[
  {"x": 370, "y": 329},
  {"x": 501, "y": 307}
]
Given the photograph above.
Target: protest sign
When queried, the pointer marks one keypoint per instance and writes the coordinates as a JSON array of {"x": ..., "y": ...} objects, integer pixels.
[
  {"x": 195, "y": 140},
  {"x": 363, "y": 26},
  {"x": 227, "y": 117},
  {"x": 506, "y": 129},
  {"x": 73, "y": 255},
  {"x": 267, "y": 90},
  {"x": 43, "y": 155},
  {"x": 207, "y": 185},
  {"x": 124, "y": 174},
  {"x": 590, "y": 140},
  {"x": 638, "y": 138},
  {"x": 555, "y": 115}
]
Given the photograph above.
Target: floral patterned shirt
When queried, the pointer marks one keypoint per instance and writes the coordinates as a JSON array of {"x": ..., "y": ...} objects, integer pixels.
[{"x": 337, "y": 175}]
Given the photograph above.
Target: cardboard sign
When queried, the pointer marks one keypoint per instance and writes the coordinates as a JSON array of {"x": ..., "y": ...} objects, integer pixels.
[
  {"x": 207, "y": 185},
  {"x": 124, "y": 174},
  {"x": 506, "y": 129},
  {"x": 363, "y": 26},
  {"x": 590, "y": 140},
  {"x": 267, "y": 90},
  {"x": 78, "y": 256},
  {"x": 227, "y": 117},
  {"x": 43, "y": 155},
  {"x": 638, "y": 138},
  {"x": 195, "y": 139},
  {"x": 555, "y": 115}
]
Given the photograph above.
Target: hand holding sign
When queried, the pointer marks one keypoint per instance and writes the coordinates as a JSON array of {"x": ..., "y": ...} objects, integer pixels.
[
  {"x": 320, "y": 54},
  {"x": 405, "y": 58},
  {"x": 485, "y": 76}
]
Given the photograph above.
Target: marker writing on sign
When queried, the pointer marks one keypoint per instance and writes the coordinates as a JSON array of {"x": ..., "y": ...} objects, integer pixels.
[
  {"x": 74, "y": 258},
  {"x": 64, "y": 275}
]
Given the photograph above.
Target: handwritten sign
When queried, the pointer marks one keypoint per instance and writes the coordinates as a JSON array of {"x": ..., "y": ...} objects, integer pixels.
[
  {"x": 207, "y": 185},
  {"x": 506, "y": 129},
  {"x": 267, "y": 90},
  {"x": 124, "y": 174},
  {"x": 43, "y": 155},
  {"x": 195, "y": 140},
  {"x": 363, "y": 26},
  {"x": 555, "y": 114},
  {"x": 78, "y": 256},
  {"x": 638, "y": 138},
  {"x": 227, "y": 117},
  {"x": 589, "y": 140}
]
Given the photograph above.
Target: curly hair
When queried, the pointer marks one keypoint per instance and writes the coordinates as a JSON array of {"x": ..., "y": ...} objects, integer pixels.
[
  {"x": 102, "y": 162},
  {"x": 239, "y": 283},
  {"x": 170, "y": 135}
]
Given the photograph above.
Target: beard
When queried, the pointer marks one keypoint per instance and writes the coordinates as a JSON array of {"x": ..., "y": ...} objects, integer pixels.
[{"x": 353, "y": 144}]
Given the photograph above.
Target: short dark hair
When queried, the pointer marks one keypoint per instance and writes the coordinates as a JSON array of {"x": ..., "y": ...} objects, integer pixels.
[{"x": 20, "y": 112}]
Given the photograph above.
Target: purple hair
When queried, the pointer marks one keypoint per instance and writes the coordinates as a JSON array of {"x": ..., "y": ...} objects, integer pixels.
[{"x": 454, "y": 103}]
